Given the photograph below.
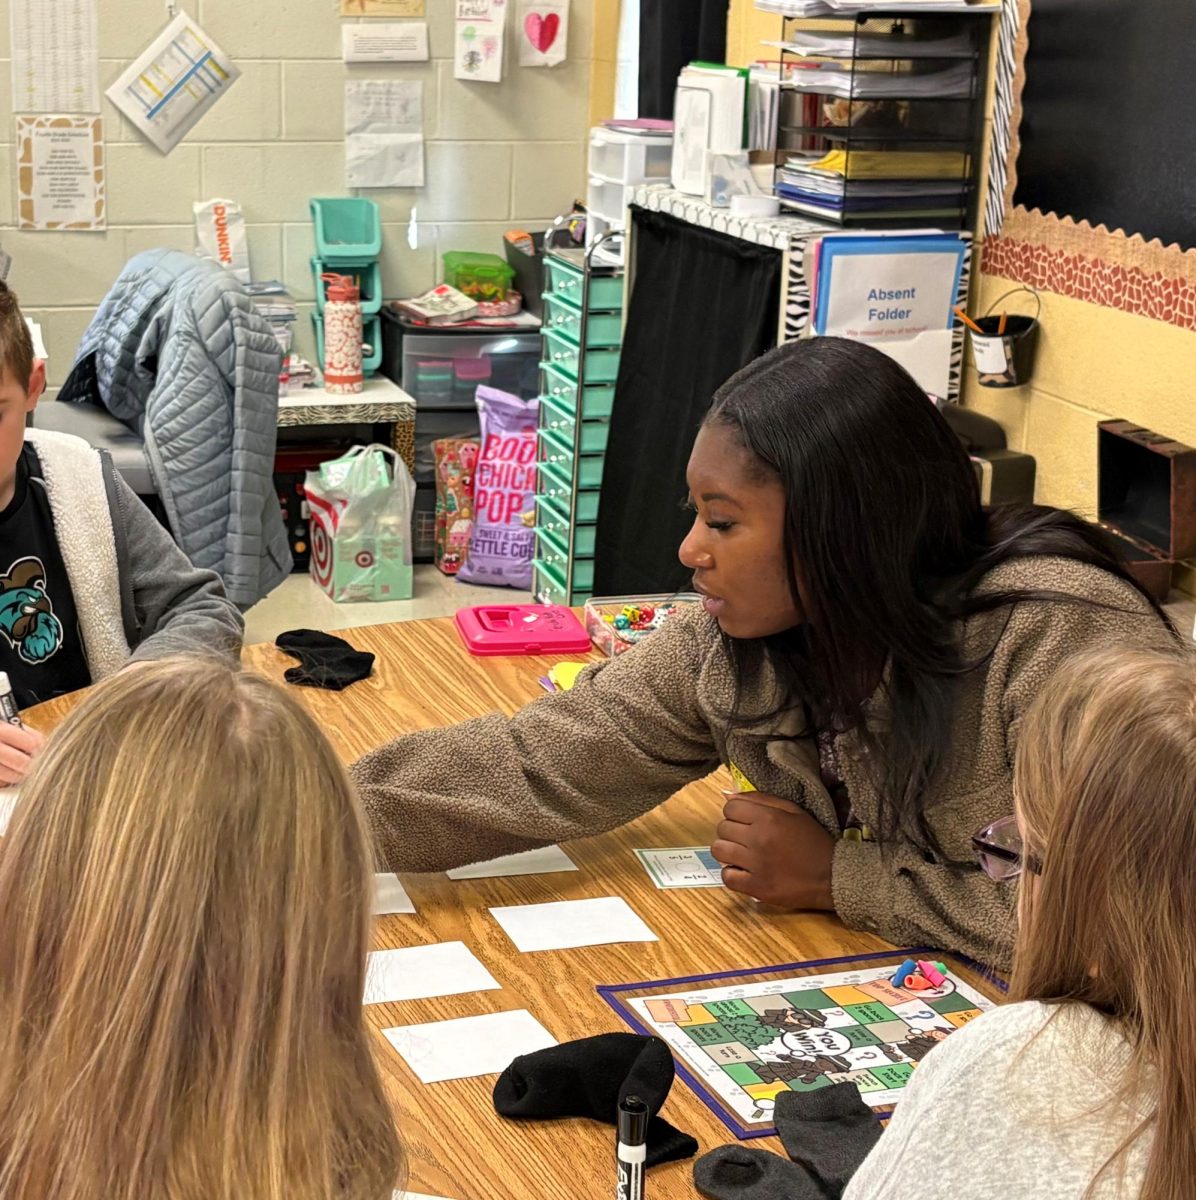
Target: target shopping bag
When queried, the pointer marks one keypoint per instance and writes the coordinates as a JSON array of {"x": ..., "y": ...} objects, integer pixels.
[{"x": 360, "y": 525}]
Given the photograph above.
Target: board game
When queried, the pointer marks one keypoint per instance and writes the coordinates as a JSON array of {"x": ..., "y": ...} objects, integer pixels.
[{"x": 742, "y": 1043}]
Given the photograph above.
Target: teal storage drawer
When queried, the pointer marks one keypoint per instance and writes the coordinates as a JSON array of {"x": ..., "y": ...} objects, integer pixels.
[
  {"x": 600, "y": 366},
  {"x": 554, "y": 539},
  {"x": 557, "y": 418},
  {"x": 557, "y": 452},
  {"x": 603, "y": 330},
  {"x": 555, "y": 486},
  {"x": 597, "y": 400},
  {"x": 606, "y": 291},
  {"x": 551, "y": 552},
  {"x": 549, "y": 584}
]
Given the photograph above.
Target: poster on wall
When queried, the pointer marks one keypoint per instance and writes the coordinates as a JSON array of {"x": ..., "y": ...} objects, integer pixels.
[
  {"x": 478, "y": 46},
  {"x": 382, "y": 8},
  {"x": 404, "y": 41},
  {"x": 384, "y": 133},
  {"x": 173, "y": 82},
  {"x": 60, "y": 173},
  {"x": 55, "y": 64},
  {"x": 543, "y": 32}
]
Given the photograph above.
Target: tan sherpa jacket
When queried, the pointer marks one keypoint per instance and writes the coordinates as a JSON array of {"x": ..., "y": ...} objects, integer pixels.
[{"x": 635, "y": 730}]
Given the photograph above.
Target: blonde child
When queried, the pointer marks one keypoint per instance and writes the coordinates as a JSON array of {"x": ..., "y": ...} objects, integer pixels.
[
  {"x": 185, "y": 891},
  {"x": 1084, "y": 1086}
]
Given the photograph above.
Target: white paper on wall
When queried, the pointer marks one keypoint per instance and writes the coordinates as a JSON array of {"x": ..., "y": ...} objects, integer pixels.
[
  {"x": 400, "y": 41},
  {"x": 479, "y": 33},
  {"x": 543, "y": 32},
  {"x": 60, "y": 172},
  {"x": 384, "y": 140},
  {"x": 55, "y": 64}
]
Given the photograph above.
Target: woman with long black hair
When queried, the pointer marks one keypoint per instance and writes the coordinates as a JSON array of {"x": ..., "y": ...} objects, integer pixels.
[{"x": 869, "y": 640}]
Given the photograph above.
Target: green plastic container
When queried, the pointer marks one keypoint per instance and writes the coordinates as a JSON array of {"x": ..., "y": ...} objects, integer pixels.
[
  {"x": 348, "y": 229},
  {"x": 479, "y": 276}
]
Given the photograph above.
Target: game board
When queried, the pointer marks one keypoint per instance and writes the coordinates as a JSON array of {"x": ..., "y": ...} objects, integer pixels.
[{"x": 765, "y": 1032}]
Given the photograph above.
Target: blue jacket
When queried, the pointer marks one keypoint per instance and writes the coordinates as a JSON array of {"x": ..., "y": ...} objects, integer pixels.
[{"x": 180, "y": 355}]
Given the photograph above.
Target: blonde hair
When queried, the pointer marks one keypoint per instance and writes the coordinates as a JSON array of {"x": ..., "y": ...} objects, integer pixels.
[
  {"x": 186, "y": 891},
  {"x": 1105, "y": 782}
]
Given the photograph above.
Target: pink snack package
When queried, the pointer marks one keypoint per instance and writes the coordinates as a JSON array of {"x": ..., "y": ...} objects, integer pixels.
[{"x": 502, "y": 543}]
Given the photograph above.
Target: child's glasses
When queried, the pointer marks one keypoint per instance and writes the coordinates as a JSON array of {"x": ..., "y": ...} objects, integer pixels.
[{"x": 1002, "y": 853}]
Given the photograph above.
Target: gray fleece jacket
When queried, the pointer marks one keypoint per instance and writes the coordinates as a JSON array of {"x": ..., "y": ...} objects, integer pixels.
[{"x": 137, "y": 594}]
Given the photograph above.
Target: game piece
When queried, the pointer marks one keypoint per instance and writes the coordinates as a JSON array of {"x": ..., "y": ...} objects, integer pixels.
[
  {"x": 741, "y": 1041},
  {"x": 903, "y": 972},
  {"x": 468, "y": 1046},
  {"x": 545, "y": 861},
  {"x": 390, "y": 896},
  {"x": 566, "y": 924},
  {"x": 682, "y": 867},
  {"x": 918, "y": 983},
  {"x": 417, "y": 972},
  {"x": 931, "y": 974}
]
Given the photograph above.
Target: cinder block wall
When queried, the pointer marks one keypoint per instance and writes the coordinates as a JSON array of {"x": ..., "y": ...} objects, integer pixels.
[{"x": 497, "y": 156}]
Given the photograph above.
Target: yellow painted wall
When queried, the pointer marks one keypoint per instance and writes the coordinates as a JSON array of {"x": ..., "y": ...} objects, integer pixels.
[
  {"x": 747, "y": 28},
  {"x": 1093, "y": 363},
  {"x": 605, "y": 60}
]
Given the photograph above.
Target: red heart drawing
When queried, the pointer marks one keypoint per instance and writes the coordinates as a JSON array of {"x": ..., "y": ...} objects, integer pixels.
[{"x": 542, "y": 31}]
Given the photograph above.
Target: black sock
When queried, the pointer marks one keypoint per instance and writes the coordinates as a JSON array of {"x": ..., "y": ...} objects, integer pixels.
[
  {"x": 735, "y": 1172},
  {"x": 828, "y": 1131},
  {"x": 324, "y": 661},
  {"x": 588, "y": 1078}
]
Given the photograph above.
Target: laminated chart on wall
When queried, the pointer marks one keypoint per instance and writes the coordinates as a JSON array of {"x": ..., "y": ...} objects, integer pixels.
[
  {"x": 60, "y": 172},
  {"x": 173, "y": 82},
  {"x": 55, "y": 63},
  {"x": 382, "y": 8},
  {"x": 478, "y": 41},
  {"x": 384, "y": 140}
]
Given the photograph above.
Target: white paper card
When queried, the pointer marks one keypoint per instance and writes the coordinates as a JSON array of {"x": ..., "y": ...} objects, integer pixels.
[
  {"x": 55, "y": 64},
  {"x": 926, "y": 357},
  {"x": 682, "y": 867},
  {"x": 405, "y": 41},
  {"x": 566, "y": 924},
  {"x": 384, "y": 144},
  {"x": 8, "y": 804},
  {"x": 478, "y": 47},
  {"x": 543, "y": 32},
  {"x": 390, "y": 896},
  {"x": 173, "y": 82},
  {"x": 468, "y": 1046},
  {"x": 417, "y": 972},
  {"x": 35, "y": 335},
  {"x": 545, "y": 861},
  {"x": 990, "y": 355}
]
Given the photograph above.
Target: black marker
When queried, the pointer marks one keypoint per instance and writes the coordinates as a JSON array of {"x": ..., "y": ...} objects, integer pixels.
[{"x": 631, "y": 1149}]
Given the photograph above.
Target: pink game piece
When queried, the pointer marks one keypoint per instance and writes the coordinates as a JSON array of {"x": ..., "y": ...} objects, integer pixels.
[
  {"x": 521, "y": 629},
  {"x": 932, "y": 974}
]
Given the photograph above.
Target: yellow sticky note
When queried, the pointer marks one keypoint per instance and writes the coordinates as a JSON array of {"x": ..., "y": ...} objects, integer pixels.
[{"x": 564, "y": 674}]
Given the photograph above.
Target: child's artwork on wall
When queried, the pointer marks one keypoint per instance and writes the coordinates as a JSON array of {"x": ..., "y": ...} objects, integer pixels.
[
  {"x": 543, "y": 32},
  {"x": 478, "y": 50}
]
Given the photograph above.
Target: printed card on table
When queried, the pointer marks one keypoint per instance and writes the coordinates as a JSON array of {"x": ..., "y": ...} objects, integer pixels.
[
  {"x": 682, "y": 867},
  {"x": 480, "y": 30},
  {"x": 543, "y": 32}
]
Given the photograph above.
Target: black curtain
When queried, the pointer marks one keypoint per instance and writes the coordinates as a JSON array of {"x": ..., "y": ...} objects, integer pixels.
[
  {"x": 674, "y": 33},
  {"x": 702, "y": 306}
]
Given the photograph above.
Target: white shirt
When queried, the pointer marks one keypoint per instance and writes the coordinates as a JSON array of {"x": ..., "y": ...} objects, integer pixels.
[{"x": 1018, "y": 1103}]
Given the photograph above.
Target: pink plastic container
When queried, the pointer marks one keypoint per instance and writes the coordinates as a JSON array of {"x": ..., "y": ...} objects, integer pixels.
[{"x": 521, "y": 629}]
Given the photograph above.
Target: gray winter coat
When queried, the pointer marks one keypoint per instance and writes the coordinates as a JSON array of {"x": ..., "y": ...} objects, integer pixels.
[{"x": 178, "y": 352}]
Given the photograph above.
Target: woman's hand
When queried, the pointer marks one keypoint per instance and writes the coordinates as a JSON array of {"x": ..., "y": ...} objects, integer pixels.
[
  {"x": 18, "y": 745},
  {"x": 775, "y": 851}
]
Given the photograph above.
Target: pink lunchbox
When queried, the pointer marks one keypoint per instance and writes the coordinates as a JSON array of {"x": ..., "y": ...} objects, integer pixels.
[{"x": 521, "y": 629}]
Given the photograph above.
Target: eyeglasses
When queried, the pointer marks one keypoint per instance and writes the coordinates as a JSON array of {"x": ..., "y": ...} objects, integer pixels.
[{"x": 1002, "y": 853}]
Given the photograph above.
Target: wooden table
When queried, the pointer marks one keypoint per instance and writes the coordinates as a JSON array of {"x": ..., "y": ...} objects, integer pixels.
[{"x": 456, "y": 1144}]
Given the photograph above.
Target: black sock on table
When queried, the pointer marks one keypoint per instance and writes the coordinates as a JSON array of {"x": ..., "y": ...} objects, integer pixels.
[
  {"x": 588, "y": 1078},
  {"x": 324, "y": 661},
  {"x": 738, "y": 1172},
  {"x": 829, "y": 1131}
]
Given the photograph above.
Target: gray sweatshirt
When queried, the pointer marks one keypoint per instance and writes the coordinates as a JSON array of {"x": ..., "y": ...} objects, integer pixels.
[
  {"x": 137, "y": 594},
  {"x": 1021, "y": 1102}
]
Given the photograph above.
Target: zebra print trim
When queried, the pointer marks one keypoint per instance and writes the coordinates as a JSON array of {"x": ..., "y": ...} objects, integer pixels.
[{"x": 1002, "y": 135}]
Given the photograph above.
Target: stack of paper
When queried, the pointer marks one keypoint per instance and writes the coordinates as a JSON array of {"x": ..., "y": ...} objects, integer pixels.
[
  {"x": 875, "y": 182},
  {"x": 274, "y": 302},
  {"x": 822, "y": 44},
  {"x": 954, "y": 83},
  {"x": 833, "y": 8}
]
